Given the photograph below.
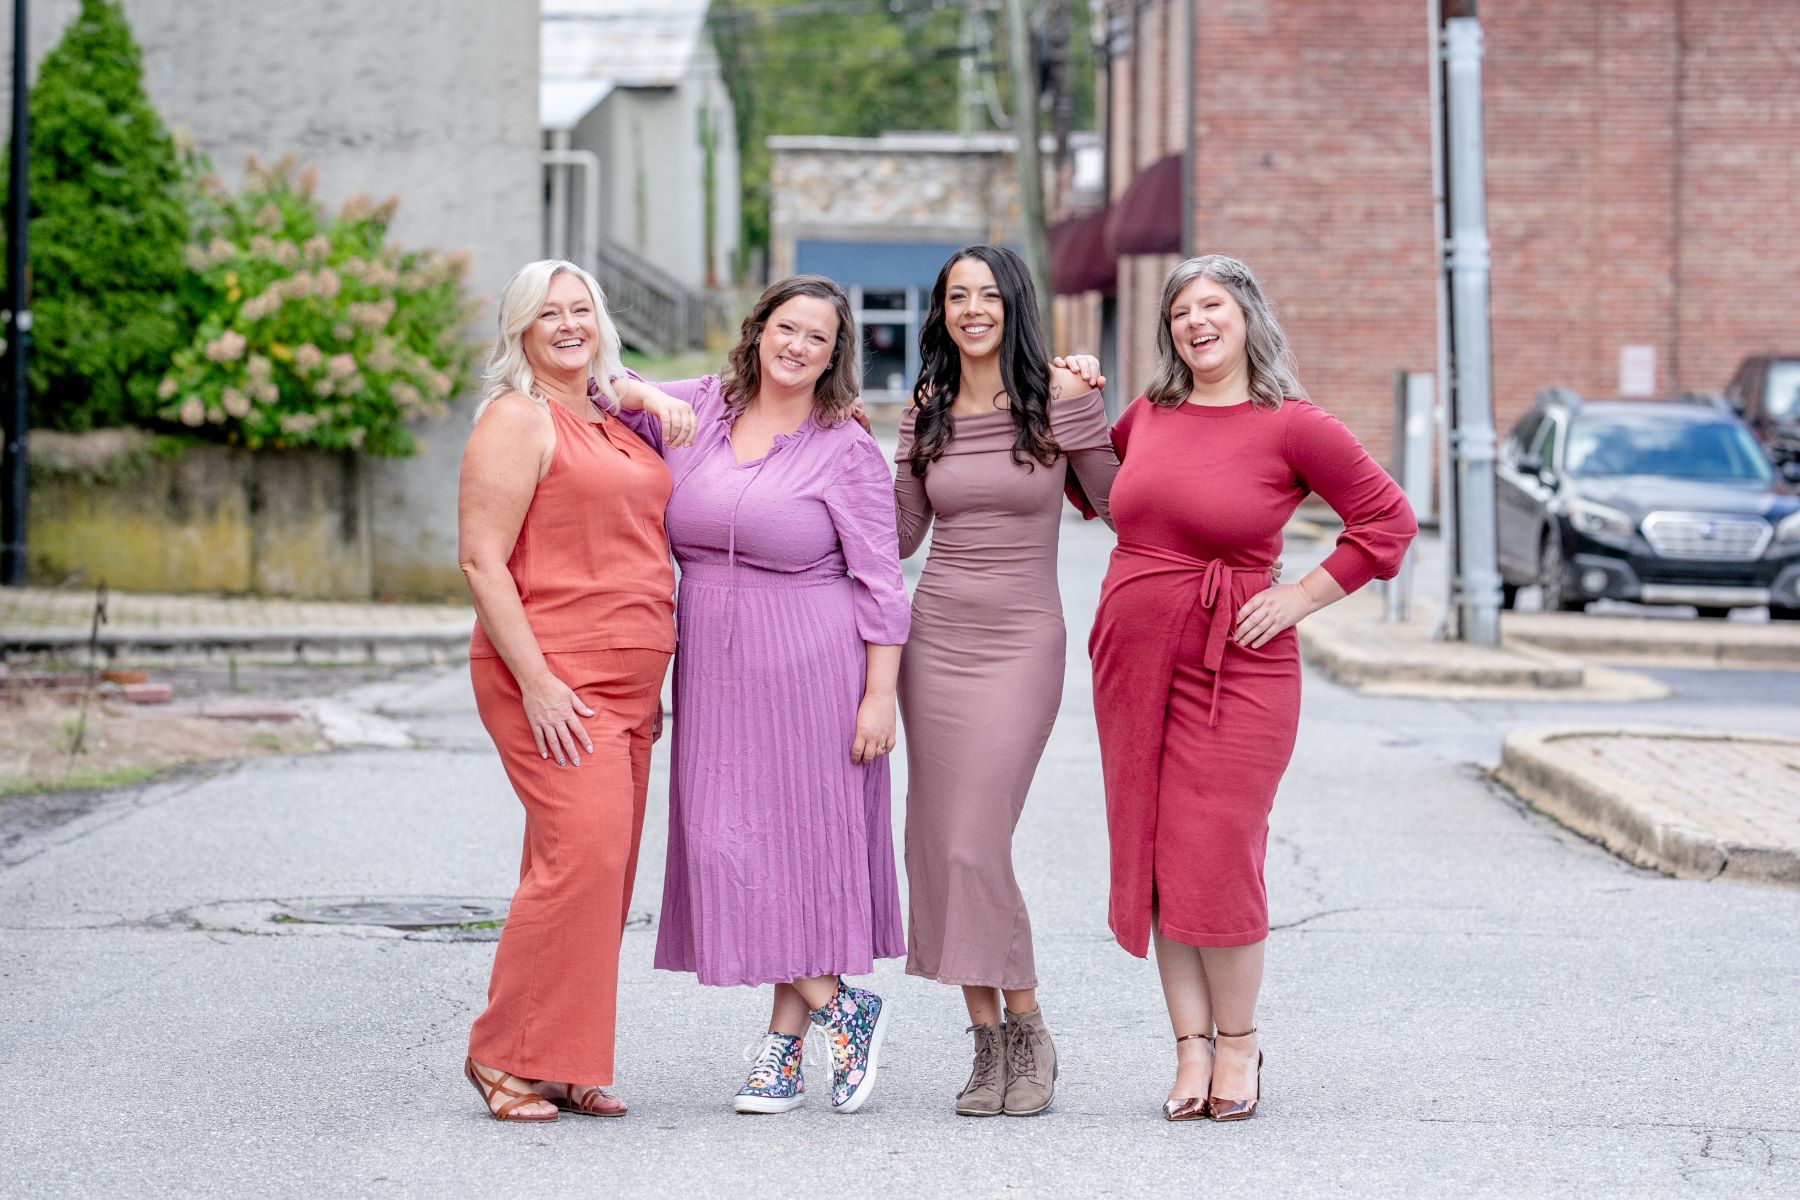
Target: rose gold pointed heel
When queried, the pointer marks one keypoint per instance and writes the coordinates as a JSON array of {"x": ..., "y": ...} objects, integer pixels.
[
  {"x": 1221, "y": 1109},
  {"x": 1187, "y": 1108}
]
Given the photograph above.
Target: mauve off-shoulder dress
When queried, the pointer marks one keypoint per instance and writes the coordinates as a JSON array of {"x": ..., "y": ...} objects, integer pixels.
[
  {"x": 781, "y": 855},
  {"x": 982, "y": 677}
]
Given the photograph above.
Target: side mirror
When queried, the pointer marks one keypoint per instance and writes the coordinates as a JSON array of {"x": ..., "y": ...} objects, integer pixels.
[{"x": 1529, "y": 464}]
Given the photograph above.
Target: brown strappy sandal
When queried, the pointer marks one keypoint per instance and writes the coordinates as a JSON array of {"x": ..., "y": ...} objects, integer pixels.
[
  {"x": 509, "y": 1111},
  {"x": 594, "y": 1101},
  {"x": 1187, "y": 1108},
  {"x": 1221, "y": 1109}
]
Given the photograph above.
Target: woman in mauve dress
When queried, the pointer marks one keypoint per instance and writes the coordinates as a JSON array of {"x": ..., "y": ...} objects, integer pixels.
[
  {"x": 790, "y": 618},
  {"x": 992, "y": 438},
  {"x": 1196, "y": 665}
]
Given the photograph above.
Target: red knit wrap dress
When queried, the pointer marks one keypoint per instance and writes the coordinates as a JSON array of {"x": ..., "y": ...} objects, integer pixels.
[{"x": 1195, "y": 729}]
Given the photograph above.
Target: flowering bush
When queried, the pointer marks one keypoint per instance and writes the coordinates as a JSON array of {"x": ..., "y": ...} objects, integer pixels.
[{"x": 312, "y": 330}]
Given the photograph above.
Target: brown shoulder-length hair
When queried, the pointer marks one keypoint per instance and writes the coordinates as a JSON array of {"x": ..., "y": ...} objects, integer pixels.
[{"x": 836, "y": 392}]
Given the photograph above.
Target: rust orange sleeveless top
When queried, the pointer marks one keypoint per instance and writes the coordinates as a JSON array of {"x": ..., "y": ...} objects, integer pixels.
[{"x": 592, "y": 560}]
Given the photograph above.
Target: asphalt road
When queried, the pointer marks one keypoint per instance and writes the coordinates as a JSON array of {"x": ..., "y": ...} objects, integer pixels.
[{"x": 1463, "y": 1000}]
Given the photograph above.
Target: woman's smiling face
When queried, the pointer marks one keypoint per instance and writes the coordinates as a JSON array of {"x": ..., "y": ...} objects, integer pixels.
[
  {"x": 796, "y": 343},
  {"x": 1207, "y": 327},
  {"x": 562, "y": 338},
  {"x": 974, "y": 313}
]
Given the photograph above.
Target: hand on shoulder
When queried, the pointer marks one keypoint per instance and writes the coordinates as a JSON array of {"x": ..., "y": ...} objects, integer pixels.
[{"x": 1075, "y": 375}]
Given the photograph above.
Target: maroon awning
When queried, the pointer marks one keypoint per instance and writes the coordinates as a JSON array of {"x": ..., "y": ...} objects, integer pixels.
[
  {"x": 1080, "y": 259},
  {"x": 1147, "y": 218}
]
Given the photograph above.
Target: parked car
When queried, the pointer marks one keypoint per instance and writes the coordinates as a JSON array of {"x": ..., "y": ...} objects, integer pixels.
[
  {"x": 1765, "y": 392},
  {"x": 1657, "y": 502}
]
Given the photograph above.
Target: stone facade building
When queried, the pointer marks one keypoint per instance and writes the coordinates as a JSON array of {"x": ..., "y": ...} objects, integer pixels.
[
  {"x": 880, "y": 216},
  {"x": 1641, "y": 169}
]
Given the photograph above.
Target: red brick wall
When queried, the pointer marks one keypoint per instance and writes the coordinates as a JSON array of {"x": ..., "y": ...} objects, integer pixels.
[
  {"x": 1643, "y": 185},
  {"x": 1313, "y": 165},
  {"x": 1737, "y": 289}
]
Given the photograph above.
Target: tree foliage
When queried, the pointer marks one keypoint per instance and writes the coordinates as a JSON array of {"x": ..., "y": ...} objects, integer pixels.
[
  {"x": 107, "y": 227},
  {"x": 857, "y": 68}
]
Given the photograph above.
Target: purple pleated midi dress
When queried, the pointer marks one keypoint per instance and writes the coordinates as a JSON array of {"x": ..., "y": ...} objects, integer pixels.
[{"x": 781, "y": 854}]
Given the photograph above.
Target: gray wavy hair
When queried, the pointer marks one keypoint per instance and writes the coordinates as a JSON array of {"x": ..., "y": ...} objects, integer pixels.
[{"x": 1274, "y": 376}]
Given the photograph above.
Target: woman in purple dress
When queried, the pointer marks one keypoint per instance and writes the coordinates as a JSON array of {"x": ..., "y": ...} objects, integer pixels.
[{"x": 790, "y": 619}]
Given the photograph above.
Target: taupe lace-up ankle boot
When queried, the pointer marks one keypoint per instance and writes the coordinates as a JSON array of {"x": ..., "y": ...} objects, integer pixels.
[
  {"x": 985, "y": 1093},
  {"x": 1030, "y": 1065}
]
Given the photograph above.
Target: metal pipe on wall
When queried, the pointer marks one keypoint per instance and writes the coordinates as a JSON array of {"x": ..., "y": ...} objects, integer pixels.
[{"x": 584, "y": 248}]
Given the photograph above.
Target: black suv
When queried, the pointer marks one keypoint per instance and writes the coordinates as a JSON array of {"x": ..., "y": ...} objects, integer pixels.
[
  {"x": 1658, "y": 502},
  {"x": 1765, "y": 391}
]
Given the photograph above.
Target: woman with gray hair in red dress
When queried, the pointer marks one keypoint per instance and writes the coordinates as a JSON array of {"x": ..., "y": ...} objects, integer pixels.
[{"x": 1196, "y": 665}]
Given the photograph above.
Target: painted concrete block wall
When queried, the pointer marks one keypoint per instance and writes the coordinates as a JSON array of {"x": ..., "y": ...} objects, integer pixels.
[
  {"x": 652, "y": 163},
  {"x": 108, "y": 507},
  {"x": 435, "y": 101}
]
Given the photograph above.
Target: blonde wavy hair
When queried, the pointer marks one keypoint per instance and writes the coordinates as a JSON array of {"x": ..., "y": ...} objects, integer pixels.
[
  {"x": 520, "y": 302},
  {"x": 1274, "y": 377}
]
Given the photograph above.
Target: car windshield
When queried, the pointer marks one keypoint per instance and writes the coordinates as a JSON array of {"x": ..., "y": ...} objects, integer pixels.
[
  {"x": 1783, "y": 399},
  {"x": 1676, "y": 449}
]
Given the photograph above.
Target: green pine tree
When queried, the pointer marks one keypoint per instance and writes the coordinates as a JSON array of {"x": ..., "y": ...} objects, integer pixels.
[{"x": 108, "y": 224}]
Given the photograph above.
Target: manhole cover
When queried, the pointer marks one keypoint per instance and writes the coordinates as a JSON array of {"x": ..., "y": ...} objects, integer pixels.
[{"x": 414, "y": 914}]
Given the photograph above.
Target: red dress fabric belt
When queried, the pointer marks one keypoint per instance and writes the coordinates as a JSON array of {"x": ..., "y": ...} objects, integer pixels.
[{"x": 1214, "y": 586}]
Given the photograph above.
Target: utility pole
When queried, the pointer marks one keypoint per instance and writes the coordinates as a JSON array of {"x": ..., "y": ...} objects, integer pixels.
[
  {"x": 1031, "y": 170},
  {"x": 1475, "y": 592},
  {"x": 1062, "y": 98},
  {"x": 969, "y": 97},
  {"x": 18, "y": 317}
]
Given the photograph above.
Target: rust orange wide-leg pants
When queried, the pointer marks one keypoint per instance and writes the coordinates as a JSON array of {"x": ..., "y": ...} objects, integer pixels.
[{"x": 553, "y": 995}]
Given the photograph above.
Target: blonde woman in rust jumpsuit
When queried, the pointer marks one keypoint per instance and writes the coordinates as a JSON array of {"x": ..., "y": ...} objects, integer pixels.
[{"x": 560, "y": 523}]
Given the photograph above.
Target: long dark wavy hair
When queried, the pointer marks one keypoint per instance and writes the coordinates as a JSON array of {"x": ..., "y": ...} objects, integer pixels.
[
  {"x": 836, "y": 392},
  {"x": 1024, "y": 365}
]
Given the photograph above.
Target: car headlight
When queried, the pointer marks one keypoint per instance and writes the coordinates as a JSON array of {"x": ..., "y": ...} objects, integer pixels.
[
  {"x": 1789, "y": 528},
  {"x": 1599, "y": 521}
]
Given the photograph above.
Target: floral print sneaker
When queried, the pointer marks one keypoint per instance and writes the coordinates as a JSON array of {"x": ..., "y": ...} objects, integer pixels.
[
  {"x": 853, "y": 1024},
  {"x": 775, "y": 1083}
]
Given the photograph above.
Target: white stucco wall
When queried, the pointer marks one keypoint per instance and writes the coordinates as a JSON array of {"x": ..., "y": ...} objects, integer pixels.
[{"x": 652, "y": 166}]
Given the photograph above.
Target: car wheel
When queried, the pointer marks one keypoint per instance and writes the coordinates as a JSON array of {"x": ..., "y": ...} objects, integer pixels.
[
  {"x": 1509, "y": 595},
  {"x": 1552, "y": 588},
  {"x": 1784, "y": 614},
  {"x": 1712, "y": 611}
]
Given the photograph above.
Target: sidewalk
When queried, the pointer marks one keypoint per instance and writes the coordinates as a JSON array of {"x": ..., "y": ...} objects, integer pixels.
[
  {"x": 1352, "y": 643},
  {"x": 60, "y": 619},
  {"x": 1660, "y": 641},
  {"x": 1693, "y": 805}
]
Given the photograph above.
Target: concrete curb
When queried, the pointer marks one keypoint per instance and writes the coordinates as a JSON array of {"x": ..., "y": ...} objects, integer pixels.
[
  {"x": 1356, "y": 655},
  {"x": 446, "y": 640},
  {"x": 1731, "y": 645},
  {"x": 1547, "y": 770}
]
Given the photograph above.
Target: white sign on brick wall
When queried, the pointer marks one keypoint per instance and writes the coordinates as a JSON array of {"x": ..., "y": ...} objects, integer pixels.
[{"x": 1637, "y": 370}]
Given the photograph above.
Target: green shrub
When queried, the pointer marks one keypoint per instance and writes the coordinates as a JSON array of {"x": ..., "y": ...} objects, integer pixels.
[
  {"x": 108, "y": 223},
  {"x": 313, "y": 330}
]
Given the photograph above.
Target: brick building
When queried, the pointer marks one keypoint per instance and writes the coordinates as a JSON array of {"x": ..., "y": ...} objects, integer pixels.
[{"x": 1643, "y": 157}]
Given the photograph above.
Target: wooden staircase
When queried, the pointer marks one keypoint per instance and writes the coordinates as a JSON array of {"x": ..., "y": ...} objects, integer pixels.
[{"x": 655, "y": 314}]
